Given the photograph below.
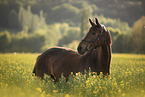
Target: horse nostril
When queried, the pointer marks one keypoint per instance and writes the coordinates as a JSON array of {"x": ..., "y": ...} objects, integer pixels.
[{"x": 79, "y": 48}]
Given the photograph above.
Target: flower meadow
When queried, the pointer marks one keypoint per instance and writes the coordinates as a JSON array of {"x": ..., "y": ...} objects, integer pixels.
[{"x": 127, "y": 79}]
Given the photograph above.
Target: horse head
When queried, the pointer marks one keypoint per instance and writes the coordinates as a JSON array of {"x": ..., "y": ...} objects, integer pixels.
[{"x": 97, "y": 36}]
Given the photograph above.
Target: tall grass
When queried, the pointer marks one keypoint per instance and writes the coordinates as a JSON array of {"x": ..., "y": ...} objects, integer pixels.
[{"x": 127, "y": 79}]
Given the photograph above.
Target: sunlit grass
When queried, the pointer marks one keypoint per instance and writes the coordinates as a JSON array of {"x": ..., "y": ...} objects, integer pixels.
[{"x": 127, "y": 79}]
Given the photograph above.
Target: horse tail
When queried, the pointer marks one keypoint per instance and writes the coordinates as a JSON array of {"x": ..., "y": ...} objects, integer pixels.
[{"x": 34, "y": 71}]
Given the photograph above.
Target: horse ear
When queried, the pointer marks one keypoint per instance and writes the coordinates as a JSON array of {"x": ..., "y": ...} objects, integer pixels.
[
  {"x": 97, "y": 22},
  {"x": 92, "y": 23}
]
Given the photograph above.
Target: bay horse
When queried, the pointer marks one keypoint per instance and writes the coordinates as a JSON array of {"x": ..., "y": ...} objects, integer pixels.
[{"x": 94, "y": 52}]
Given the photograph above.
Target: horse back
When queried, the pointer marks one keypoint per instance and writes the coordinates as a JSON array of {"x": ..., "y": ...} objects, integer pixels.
[{"x": 56, "y": 61}]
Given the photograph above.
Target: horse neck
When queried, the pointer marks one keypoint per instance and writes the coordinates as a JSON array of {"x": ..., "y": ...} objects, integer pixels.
[
  {"x": 102, "y": 53},
  {"x": 106, "y": 53}
]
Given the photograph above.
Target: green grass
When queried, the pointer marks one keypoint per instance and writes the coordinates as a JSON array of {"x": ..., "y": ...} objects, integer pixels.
[{"x": 127, "y": 79}]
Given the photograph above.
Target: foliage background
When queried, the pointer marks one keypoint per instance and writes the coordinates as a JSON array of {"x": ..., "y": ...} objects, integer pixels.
[{"x": 36, "y": 25}]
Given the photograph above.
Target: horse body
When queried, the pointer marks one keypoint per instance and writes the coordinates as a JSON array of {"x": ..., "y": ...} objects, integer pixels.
[
  {"x": 94, "y": 52},
  {"x": 56, "y": 61}
]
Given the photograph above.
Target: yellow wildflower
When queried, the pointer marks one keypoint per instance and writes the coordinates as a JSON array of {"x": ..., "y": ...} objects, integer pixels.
[
  {"x": 121, "y": 82},
  {"x": 119, "y": 90},
  {"x": 141, "y": 70},
  {"x": 48, "y": 95},
  {"x": 142, "y": 91},
  {"x": 115, "y": 84},
  {"x": 43, "y": 92},
  {"x": 39, "y": 89},
  {"x": 55, "y": 91},
  {"x": 72, "y": 73},
  {"x": 122, "y": 85},
  {"x": 33, "y": 74},
  {"x": 67, "y": 95},
  {"x": 95, "y": 91},
  {"x": 123, "y": 94}
]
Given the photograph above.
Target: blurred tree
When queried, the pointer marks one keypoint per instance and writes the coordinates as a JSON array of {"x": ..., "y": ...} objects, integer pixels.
[
  {"x": 31, "y": 16},
  {"x": 123, "y": 44},
  {"x": 114, "y": 23},
  {"x": 35, "y": 43},
  {"x": 73, "y": 45},
  {"x": 52, "y": 35},
  {"x": 42, "y": 23},
  {"x": 35, "y": 22},
  {"x": 64, "y": 13},
  {"x": 25, "y": 18},
  {"x": 31, "y": 43},
  {"x": 64, "y": 28},
  {"x": 31, "y": 22},
  {"x": 59, "y": 10},
  {"x": 28, "y": 19},
  {"x": 139, "y": 35},
  {"x": 13, "y": 20},
  {"x": 72, "y": 34},
  {"x": 85, "y": 14},
  {"x": 114, "y": 33},
  {"x": 125, "y": 10},
  {"x": 5, "y": 40},
  {"x": 4, "y": 11}
]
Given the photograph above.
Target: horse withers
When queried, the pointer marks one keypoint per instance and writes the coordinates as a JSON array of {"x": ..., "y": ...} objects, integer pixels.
[{"x": 94, "y": 52}]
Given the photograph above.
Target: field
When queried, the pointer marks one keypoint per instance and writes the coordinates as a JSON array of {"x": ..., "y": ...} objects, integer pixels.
[{"x": 127, "y": 79}]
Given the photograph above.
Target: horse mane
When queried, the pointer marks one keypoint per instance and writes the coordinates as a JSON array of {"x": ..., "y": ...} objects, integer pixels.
[{"x": 108, "y": 37}]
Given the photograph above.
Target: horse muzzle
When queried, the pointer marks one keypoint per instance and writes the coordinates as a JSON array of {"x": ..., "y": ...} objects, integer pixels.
[{"x": 81, "y": 50}]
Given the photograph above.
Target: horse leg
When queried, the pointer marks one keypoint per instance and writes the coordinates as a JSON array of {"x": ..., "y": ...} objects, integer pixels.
[
  {"x": 40, "y": 74},
  {"x": 108, "y": 71},
  {"x": 56, "y": 76},
  {"x": 98, "y": 73},
  {"x": 105, "y": 72}
]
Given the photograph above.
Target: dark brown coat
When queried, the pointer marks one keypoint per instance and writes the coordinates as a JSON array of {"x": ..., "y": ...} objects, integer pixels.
[{"x": 94, "y": 54}]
